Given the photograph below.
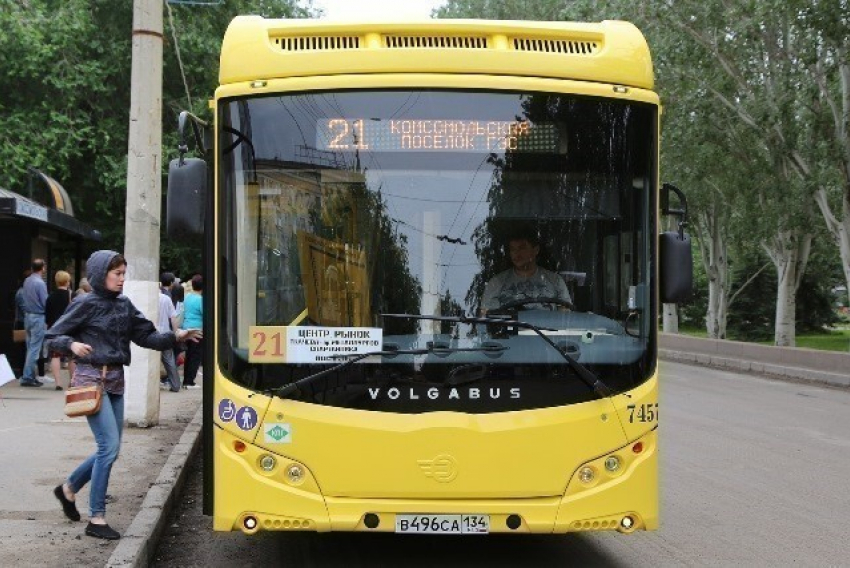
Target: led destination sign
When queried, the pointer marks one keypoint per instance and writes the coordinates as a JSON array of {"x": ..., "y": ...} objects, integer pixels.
[{"x": 435, "y": 135}]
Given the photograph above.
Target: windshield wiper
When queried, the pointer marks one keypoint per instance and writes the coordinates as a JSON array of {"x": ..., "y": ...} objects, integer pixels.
[
  {"x": 591, "y": 380},
  {"x": 295, "y": 386}
]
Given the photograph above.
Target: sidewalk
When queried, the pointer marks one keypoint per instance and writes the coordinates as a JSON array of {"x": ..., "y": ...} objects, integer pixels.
[
  {"x": 40, "y": 446},
  {"x": 794, "y": 363}
]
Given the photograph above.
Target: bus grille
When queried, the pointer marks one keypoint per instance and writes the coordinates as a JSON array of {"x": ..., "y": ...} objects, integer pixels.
[
  {"x": 450, "y": 42},
  {"x": 556, "y": 46},
  {"x": 333, "y": 43},
  {"x": 317, "y": 43}
]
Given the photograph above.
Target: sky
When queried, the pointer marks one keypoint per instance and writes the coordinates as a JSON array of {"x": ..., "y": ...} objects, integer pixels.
[{"x": 377, "y": 9}]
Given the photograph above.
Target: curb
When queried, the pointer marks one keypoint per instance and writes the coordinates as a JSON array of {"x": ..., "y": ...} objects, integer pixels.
[
  {"x": 767, "y": 370},
  {"x": 138, "y": 543}
]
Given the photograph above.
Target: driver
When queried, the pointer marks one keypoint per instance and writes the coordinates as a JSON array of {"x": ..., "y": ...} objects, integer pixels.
[{"x": 526, "y": 280}]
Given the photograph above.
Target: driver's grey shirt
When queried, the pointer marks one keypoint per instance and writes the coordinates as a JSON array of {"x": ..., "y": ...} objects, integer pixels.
[{"x": 508, "y": 286}]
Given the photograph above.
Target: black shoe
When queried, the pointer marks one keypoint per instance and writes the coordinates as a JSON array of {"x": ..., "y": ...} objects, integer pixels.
[
  {"x": 68, "y": 506},
  {"x": 102, "y": 531},
  {"x": 31, "y": 383}
]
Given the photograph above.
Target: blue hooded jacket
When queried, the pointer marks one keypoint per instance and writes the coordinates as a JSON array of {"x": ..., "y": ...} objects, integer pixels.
[{"x": 105, "y": 320}]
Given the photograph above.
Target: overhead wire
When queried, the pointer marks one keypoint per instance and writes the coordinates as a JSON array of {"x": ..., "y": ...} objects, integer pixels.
[{"x": 177, "y": 50}]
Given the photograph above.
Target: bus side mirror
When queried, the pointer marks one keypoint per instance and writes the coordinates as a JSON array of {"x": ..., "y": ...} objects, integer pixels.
[
  {"x": 187, "y": 192},
  {"x": 676, "y": 268},
  {"x": 187, "y": 183},
  {"x": 676, "y": 263}
]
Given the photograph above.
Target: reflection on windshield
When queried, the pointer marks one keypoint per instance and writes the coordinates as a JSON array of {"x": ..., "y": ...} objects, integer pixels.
[{"x": 344, "y": 206}]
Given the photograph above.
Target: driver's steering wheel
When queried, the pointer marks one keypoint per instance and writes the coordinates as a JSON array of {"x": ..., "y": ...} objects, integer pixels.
[{"x": 540, "y": 300}]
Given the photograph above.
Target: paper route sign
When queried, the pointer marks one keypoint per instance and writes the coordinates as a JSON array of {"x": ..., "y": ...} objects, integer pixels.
[{"x": 308, "y": 344}]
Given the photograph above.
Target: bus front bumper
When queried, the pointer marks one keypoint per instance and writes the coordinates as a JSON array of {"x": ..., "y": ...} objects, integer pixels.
[{"x": 285, "y": 496}]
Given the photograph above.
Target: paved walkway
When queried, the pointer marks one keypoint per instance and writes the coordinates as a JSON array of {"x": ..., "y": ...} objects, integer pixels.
[{"x": 40, "y": 446}]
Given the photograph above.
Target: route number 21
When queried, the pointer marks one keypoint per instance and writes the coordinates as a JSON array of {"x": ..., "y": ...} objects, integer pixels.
[{"x": 261, "y": 350}]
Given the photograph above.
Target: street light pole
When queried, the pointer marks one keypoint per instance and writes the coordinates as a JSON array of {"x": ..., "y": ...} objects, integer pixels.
[{"x": 144, "y": 189}]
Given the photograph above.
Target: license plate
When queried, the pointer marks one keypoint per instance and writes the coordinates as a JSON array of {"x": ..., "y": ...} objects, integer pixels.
[{"x": 442, "y": 524}]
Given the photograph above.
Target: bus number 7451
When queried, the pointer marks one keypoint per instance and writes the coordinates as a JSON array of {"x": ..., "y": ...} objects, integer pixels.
[{"x": 643, "y": 413}]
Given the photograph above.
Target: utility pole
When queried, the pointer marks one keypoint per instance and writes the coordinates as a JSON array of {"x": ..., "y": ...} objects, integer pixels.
[{"x": 144, "y": 190}]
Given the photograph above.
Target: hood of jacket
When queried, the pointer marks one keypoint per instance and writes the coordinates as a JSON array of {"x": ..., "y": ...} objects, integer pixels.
[{"x": 96, "y": 269}]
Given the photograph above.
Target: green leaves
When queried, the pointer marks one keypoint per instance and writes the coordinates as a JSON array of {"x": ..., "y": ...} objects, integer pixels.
[{"x": 65, "y": 95}]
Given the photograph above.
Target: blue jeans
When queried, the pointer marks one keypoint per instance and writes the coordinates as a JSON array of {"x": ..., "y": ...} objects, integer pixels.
[
  {"x": 106, "y": 426},
  {"x": 34, "y": 324},
  {"x": 171, "y": 372}
]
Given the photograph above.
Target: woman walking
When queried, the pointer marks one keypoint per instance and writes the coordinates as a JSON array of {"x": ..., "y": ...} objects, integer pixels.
[{"x": 97, "y": 328}]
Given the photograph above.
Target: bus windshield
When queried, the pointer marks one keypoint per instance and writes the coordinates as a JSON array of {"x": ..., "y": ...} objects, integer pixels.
[{"x": 340, "y": 207}]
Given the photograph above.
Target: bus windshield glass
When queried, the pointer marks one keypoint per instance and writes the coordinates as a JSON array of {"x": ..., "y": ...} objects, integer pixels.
[{"x": 338, "y": 208}]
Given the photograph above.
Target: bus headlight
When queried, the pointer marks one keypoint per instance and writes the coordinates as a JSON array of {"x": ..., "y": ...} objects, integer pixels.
[
  {"x": 612, "y": 463},
  {"x": 295, "y": 473},
  {"x": 586, "y": 475},
  {"x": 267, "y": 462}
]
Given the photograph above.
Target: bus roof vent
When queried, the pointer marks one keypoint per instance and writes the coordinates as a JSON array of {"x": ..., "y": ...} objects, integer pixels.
[
  {"x": 316, "y": 43},
  {"x": 556, "y": 46},
  {"x": 450, "y": 42}
]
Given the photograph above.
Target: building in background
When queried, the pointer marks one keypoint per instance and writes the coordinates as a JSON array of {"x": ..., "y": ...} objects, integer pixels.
[{"x": 40, "y": 225}]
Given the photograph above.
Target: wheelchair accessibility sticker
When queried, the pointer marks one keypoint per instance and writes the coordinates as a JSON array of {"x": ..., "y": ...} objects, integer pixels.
[{"x": 226, "y": 410}]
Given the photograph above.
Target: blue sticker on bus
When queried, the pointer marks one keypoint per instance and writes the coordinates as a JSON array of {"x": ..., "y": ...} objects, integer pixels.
[
  {"x": 226, "y": 410},
  {"x": 246, "y": 418}
]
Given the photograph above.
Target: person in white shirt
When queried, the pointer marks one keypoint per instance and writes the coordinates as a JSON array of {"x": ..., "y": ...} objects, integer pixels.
[
  {"x": 525, "y": 280},
  {"x": 167, "y": 321}
]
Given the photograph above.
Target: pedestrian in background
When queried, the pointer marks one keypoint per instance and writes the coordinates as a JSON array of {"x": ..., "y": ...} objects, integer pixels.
[
  {"x": 84, "y": 288},
  {"x": 167, "y": 322},
  {"x": 177, "y": 299},
  {"x": 20, "y": 346},
  {"x": 20, "y": 312},
  {"x": 35, "y": 297},
  {"x": 57, "y": 303},
  {"x": 193, "y": 318},
  {"x": 97, "y": 328}
]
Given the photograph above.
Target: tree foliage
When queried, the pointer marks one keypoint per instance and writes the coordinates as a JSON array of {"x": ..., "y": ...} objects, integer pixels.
[
  {"x": 754, "y": 92},
  {"x": 65, "y": 84},
  {"x": 751, "y": 318}
]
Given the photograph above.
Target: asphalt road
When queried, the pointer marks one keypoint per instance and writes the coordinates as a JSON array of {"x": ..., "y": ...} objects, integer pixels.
[{"x": 754, "y": 472}]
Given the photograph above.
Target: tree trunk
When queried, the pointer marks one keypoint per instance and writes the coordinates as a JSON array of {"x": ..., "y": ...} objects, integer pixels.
[
  {"x": 789, "y": 251},
  {"x": 839, "y": 229},
  {"x": 786, "y": 309},
  {"x": 716, "y": 263},
  {"x": 719, "y": 308}
]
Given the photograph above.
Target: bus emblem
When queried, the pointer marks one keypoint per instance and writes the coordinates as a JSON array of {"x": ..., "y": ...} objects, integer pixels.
[{"x": 442, "y": 468}]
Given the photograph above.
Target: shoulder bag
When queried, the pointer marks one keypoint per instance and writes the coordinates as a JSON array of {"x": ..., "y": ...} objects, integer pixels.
[{"x": 84, "y": 401}]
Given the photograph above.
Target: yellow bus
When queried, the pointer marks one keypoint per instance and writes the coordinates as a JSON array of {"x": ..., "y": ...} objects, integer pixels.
[{"x": 433, "y": 290}]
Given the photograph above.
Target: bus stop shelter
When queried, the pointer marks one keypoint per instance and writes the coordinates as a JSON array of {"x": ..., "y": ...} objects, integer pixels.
[{"x": 41, "y": 225}]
